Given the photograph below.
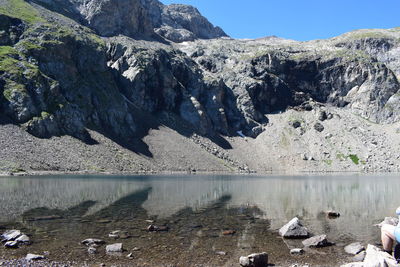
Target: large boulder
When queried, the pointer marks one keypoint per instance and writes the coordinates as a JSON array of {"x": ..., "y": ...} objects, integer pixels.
[
  {"x": 376, "y": 257},
  {"x": 294, "y": 229}
]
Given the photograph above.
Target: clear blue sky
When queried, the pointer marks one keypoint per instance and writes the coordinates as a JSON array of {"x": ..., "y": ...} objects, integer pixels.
[{"x": 297, "y": 19}]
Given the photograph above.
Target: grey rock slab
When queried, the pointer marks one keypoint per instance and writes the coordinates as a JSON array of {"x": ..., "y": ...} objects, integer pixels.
[
  {"x": 114, "y": 248},
  {"x": 32, "y": 257},
  {"x": 354, "y": 248},
  {"x": 10, "y": 235},
  {"x": 254, "y": 260},
  {"x": 317, "y": 242},
  {"x": 294, "y": 229},
  {"x": 23, "y": 239}
]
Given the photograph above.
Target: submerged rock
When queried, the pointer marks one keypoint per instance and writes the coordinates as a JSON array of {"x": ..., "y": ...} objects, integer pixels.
[
  {"x": 254, "y": 260},
  {"x": 332, "y": 214},
  {"x": 32, "y": 257},
  {"x": 24, "y": 239},
  {"x": 317, "y": 242},
  {"x": 294, "y": 229},
  {"x": 92, "y": 242},
  {"x": 155, "y": 228},
  {"x": 92, "y": 250},
  {"x": 229, "y": 232},
  {"x": 10, "y": 235},
  {"x": 114, "y": 248},
  {"x": 11, "y": 244},
  {"x": 296, "y": 251}
]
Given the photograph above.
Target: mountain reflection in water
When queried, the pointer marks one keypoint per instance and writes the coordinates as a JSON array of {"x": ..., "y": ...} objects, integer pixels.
[{"x": 362, "y": 200}]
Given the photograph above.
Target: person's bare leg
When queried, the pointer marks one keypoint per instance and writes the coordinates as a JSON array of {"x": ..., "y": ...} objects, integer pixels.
[{"x": 387, "y": 237}]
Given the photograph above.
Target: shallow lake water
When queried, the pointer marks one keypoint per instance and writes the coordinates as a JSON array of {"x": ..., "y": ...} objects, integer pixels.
[{"x": 56, "y": 210}]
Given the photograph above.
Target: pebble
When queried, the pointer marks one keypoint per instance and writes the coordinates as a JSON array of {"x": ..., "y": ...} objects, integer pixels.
[
  {"x": 229, "y": 232},
  {"x": 92, "y": 250}
]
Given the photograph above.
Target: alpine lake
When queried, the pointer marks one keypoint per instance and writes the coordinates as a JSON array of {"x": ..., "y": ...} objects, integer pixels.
[{"x": 201, "y": 220}]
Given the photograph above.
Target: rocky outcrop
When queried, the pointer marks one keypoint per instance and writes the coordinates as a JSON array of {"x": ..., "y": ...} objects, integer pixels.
[
  {"x": 138, "y": 18},
  {"x": 181, "y": 23}
]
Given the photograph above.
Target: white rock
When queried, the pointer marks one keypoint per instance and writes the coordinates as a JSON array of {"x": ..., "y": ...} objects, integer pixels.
[
  {"x": 254, "y": 260},
  {"x": 294, "y": 229},
  {"x": 32, "y": 257},
  {"x": 23, "y": 239},
  {"x": 10, "y": 235},
  {"x": 296, "y": 251},
  {"x": 354, "y": 248},
  {"x": 114, "y": 248},
  {"x": 375, "y": 257}
]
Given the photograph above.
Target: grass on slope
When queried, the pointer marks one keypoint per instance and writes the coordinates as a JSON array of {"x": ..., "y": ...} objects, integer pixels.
[{"x": 21, "y": 10}]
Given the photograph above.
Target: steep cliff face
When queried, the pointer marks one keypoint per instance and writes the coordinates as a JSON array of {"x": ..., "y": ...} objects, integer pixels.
[
  {"x": 138, "y": 18},
  {"x": 69, "y": 67}
]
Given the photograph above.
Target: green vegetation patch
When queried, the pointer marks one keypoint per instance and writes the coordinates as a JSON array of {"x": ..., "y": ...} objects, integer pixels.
[
  {"x": 21, "y": 10},
  {"x": 353, "y": 157},
  {"x": 16, "y": 71},
  {"x": 27, "y": 45}
]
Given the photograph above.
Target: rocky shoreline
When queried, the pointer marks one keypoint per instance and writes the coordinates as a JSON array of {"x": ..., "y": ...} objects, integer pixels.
[{"x": 116, "y": 250}]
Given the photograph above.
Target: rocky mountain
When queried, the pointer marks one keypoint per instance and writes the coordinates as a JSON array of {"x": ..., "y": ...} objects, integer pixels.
[{"x": 172, "y": 92}]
